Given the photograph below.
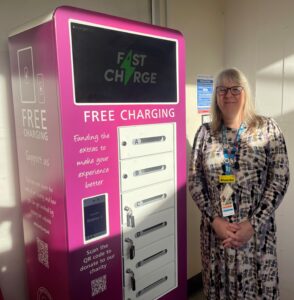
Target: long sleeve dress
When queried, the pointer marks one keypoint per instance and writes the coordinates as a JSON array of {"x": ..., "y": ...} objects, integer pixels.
[{"x": 262, "y": 177}]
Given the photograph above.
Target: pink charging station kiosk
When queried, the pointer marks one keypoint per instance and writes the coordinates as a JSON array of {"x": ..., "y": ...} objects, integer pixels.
[{"x": 100, "y": 123}]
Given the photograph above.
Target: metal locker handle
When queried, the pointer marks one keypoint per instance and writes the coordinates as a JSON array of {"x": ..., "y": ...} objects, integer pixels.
[
  {"x": 147, "y": 140},
  {"x": 130, "y": 217},
  {"x": 132, "y": 250},
  {"x": 151, "y": 258},
  {"x": 150, "y": 200},
  {"x": 150, "y": 229},
  {"x": 133, "y": 280},
  {"x": 152, "y": 286},
  {"x": 149, "y": 170}
]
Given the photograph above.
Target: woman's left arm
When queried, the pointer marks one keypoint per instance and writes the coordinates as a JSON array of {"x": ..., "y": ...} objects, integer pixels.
[{"x": 277, "y": 180}]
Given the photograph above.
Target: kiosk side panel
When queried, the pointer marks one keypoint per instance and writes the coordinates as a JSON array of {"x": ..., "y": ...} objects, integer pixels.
[{"x": 39, "y": 149}]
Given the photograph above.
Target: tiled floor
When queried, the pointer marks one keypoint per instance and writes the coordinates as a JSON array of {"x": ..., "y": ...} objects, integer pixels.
[{"x": 197, "y": 296}]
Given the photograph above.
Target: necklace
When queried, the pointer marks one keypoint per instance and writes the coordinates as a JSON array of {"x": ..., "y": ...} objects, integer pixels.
[{"x": 230, "y": 154}]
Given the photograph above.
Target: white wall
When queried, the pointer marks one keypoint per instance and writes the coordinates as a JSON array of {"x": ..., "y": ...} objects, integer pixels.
[
  {"x": 202, "y": 23},
  {"x": 259, "y": 39},
  {"x": 12, "y": 14}
]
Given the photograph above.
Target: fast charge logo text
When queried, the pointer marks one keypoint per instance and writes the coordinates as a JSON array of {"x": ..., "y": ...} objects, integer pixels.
[{"x": 130, "y": 68}]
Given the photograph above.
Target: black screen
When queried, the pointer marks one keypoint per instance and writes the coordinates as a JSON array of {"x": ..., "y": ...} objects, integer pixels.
[
  {"x": 112, "y": 66},
  {"x": 94, "y": 217}
]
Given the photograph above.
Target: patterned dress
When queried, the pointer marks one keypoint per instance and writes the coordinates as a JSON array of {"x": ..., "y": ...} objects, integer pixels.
[{"x": 262, "y": 177}]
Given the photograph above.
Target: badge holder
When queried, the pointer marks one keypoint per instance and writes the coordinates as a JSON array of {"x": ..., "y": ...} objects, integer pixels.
[{"x": 226, "y": 201}]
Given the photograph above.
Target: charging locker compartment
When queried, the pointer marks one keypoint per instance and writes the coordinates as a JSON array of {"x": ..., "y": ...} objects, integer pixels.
[
  {"x": 152, "y": 257},
  {"x": 148, "y": 200},
  {"x": 153, "y": 228},
  {"x": 153, "y": 285},
  {"x": 146, "y": 170},
  {"x": 146, "y": 139}
]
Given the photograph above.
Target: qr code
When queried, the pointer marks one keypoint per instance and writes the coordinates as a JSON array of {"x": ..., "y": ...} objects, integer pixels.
[
  {"x": 42, "y": 249},
  {"x": 99, "y": 285}
]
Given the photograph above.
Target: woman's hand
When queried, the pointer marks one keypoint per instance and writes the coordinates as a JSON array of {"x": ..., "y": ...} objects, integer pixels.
[
  {"x": 240, "y": 237},
  {"x": 222, "y": 228}
]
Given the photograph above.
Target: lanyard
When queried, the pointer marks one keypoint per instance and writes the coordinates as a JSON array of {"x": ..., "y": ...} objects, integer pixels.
[{"x": 231, "y": 155}]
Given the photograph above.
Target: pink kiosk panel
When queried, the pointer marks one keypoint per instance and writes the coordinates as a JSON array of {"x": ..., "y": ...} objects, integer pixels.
[{"x": 100, "y": 123}]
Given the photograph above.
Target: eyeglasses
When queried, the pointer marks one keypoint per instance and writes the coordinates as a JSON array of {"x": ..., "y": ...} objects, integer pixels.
[{"x": 235, "y": 90}]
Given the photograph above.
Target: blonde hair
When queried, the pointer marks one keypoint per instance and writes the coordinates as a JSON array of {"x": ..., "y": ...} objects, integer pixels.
[{"x": 249, "y": 115}]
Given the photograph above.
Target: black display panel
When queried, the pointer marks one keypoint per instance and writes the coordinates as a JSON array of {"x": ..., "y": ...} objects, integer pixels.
[
  {"x": 111, "y": 66},
  {"x": 95, "y": 217}
]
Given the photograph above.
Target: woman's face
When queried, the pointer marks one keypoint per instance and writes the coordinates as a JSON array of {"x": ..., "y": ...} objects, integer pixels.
[{"x": 230, "y": 101}]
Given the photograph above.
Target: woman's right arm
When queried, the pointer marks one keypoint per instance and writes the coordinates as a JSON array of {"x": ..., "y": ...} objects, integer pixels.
[{"x": 196, "y": 177}]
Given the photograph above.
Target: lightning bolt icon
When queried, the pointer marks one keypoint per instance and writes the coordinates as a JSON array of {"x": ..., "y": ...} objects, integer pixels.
[{"x": 127, "y": 66}]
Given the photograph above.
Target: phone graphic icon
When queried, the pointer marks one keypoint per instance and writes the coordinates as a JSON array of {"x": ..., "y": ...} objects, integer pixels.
[
  {"x": 95, "y": 217},
  {"x": 26, "y": 75}
]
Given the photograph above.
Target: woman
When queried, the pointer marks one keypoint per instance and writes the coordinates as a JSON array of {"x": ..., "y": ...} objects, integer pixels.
[{"x": 238, "y": 176}]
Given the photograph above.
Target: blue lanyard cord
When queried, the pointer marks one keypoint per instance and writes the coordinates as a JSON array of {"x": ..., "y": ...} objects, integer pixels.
[{"x": 231, "y": 155}]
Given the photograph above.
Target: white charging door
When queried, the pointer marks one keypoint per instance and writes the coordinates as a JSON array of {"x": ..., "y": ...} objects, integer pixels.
[
  {"x": 145, "y": 140},
  {"x": 152, "y": 229},
  {"x": 147, "y": 170},
  {"x": 152, "y": 257},
  {"x": 153, "y": 285},
  {"x": 148, "y": 200}
]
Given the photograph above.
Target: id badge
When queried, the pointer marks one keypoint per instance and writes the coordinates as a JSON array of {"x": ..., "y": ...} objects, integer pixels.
[
  {"x": 226, "y": 201},
  {"x": 227, "y": 178}
]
